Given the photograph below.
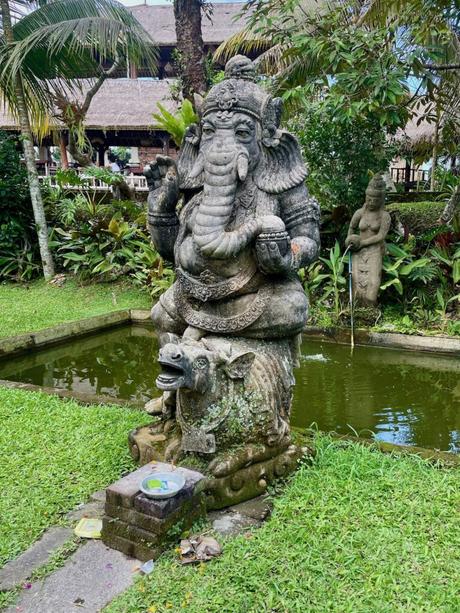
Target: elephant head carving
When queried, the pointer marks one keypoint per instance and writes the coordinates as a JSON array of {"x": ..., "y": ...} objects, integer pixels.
[{"x": 238, "y": 137}]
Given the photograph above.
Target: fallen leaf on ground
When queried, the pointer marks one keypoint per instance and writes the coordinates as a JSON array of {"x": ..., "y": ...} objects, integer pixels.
[{"x": 199, "y": 549}]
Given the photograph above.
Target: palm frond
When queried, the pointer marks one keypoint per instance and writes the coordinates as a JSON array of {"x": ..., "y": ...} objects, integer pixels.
[
  {"x": 69, "y": 38},
  {"x": 245, "y": 41}
]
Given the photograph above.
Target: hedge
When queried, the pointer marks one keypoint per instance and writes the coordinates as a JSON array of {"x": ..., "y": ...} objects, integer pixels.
[{"x": 417, "y": 217}]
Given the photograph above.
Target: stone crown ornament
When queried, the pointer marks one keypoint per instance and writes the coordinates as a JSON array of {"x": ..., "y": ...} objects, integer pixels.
[{"x": 238, "y": 92}]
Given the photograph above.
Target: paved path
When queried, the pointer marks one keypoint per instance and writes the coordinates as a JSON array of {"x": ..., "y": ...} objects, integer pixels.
[{"x": 90, "y": 578}]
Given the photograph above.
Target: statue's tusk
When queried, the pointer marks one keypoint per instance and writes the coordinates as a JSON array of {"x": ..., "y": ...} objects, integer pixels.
[{"x": 242, "y": 166}]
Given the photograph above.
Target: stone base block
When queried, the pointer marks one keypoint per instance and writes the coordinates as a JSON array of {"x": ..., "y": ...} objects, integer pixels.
[
  {"x": 133, "y": 550},
  {"x": 142, "y": 527},
  {"x": 251, "y": 481}
]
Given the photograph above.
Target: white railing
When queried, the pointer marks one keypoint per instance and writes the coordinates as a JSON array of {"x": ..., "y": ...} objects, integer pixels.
[{"x": 137, "y": 182}]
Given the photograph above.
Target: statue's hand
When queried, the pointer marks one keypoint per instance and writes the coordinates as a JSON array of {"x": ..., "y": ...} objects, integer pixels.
[
  {"x": 353, "y": 241},
  {"x": 270, "y": 259},
  {"x": 163, "y": 182}
]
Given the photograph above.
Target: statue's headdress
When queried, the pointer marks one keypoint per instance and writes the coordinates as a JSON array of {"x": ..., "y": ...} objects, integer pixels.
[
  {"x": 376, "y": 188},
  {"x": 239, "y": 92}
]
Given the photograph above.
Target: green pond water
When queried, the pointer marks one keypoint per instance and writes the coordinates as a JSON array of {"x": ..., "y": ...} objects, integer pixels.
[{"x": 400, "y": 396}]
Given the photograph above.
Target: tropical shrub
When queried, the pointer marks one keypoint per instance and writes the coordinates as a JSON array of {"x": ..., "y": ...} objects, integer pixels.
[
  {"x": 104, "y": 242},
  {"x": 340, "y": 152},
  {"x": 417, "y": 217},
  {"x": 326, "y": 281},
  {"x": 19, "y": 258},
  {"x": 420, "y": 288},
  {"x": 175, "y": 124},
  {"x": 427, "y": 287},
  {"x": 404, "y": 272}
]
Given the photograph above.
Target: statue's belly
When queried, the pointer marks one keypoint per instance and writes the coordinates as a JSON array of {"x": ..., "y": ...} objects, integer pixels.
[{"x": 190, "y": 259}]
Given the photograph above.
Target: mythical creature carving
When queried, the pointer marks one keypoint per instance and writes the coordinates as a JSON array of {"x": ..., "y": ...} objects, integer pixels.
[
  {"x": 373, "y": 223},
  {"x": 235, "y": 217}
]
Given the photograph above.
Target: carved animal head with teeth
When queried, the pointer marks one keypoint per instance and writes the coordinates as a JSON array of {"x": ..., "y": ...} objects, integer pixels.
[{"x": 192, "y": 365}]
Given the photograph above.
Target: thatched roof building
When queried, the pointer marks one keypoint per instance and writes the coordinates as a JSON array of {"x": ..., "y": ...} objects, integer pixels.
[
  {"x": 418, "y": 136},
  {"x": 120, "y": 105},
  {"x": 159, "y": 23}
]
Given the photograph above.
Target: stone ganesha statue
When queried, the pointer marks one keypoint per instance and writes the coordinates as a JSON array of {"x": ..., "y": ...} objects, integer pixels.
[
  {"x": 373, "y": 224},
  {"x": 247, "y": 223},
  {"x": 235, "y": 217}
]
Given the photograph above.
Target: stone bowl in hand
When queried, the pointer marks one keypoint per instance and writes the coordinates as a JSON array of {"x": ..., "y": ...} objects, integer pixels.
[{"x": 274, "y": 231}]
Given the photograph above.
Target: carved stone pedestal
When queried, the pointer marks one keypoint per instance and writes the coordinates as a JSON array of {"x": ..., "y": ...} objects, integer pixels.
[
  {"x": 141, "y": 527},
  {"x": 230, "y": 478}
]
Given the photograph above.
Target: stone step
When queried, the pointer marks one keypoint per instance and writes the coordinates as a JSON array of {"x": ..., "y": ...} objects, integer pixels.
[
  {"x": 21, "y": 568},
  {"x": 88, "y": 581}
]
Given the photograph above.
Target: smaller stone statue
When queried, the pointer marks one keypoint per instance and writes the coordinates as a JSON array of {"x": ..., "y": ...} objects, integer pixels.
[{"x": 373, "y": 223}]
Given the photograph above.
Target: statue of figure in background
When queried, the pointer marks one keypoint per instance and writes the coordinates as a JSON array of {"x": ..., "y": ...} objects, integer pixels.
[
  {"x": 373, "y": 224},
  {"x": 244, "y": 227}
]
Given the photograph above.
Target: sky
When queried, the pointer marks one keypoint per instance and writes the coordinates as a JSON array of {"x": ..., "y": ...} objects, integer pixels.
[{"x": 134, "y": 2}]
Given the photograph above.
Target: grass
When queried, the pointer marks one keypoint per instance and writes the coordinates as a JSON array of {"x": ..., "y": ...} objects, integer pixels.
[
  {"x": 358, "y": 532},
  {"x": 55, "y": 453},
  {"x": 38, "y": 305}
]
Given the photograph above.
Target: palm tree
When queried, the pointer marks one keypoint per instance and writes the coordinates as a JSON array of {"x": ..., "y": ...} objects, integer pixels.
[
  {"x": 44, "y": 52},
  {"x": 187, "y": 16}
]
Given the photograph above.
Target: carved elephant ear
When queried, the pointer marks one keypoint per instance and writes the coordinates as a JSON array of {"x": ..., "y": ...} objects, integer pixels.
[
  {"x": 281, "y": 167},
  {"x": 239, "y": 366},
  {"x": 188, "y": 158}
]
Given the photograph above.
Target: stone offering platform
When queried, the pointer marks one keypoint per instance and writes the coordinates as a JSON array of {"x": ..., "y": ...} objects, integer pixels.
[{"x": 142, "y": 527}]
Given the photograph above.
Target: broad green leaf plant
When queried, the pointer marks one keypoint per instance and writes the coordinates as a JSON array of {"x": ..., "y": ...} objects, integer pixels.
[{"x": 175, "y": 124}]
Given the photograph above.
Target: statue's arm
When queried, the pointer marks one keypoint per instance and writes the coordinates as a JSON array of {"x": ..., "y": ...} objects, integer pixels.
[
  {"x": 381, "y": 234},
  {"x": 163, "y": 221},
  {"x": 354, "y": 223},
  {"x": 300, "y": 213},
  {"x": 352, "y": 239}
]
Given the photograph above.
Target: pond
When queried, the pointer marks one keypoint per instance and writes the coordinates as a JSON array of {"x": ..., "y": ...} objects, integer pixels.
[{"x": 400, "y": 396}]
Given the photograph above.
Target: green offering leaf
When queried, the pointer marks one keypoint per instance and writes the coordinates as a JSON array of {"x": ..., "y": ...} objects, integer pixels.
[{"x": 154, "y": 483}]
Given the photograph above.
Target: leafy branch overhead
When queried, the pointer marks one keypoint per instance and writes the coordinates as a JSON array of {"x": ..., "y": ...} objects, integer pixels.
[{"x": 358, "y": 54}]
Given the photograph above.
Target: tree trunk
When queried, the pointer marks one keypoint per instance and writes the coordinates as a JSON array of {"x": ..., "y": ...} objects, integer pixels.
[
  {"x": 434, "y": 159},
  {"x": 452, "y": 205},
  {"x": 63, "y": 150},
  {"x": 29, "y": 155},
  {"x": 407, "y": 170},
  {"x": 187, "y": 14},
  {"x": 74, "y": 121}
]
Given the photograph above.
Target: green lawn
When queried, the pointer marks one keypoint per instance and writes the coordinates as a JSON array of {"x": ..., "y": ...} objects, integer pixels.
[
  {"x": 358, "y": 532},
  {"x": 38, "y": 305},
  {"x": 55, "y": 453}
]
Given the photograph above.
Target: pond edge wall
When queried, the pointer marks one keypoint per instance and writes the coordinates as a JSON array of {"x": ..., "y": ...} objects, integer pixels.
[{"x": 14, "y": 345}]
